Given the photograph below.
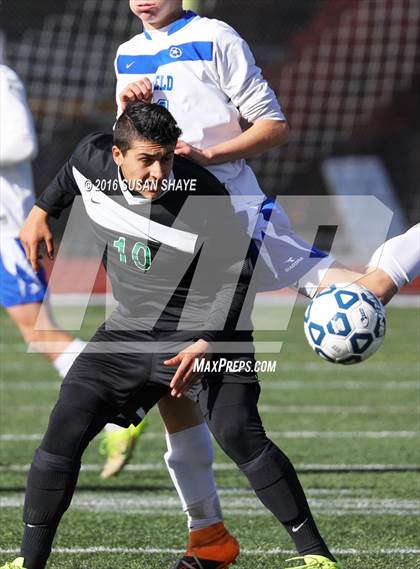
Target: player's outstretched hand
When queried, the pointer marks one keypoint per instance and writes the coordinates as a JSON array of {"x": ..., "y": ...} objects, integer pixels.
[
  {"x": 185, "y": 376},
  {"x": 138, "y": 91},
  {"x": 36, "y": 230}
]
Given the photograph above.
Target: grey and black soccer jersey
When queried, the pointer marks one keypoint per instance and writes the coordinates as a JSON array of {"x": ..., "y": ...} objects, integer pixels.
[{"x": 174, "y": 262}]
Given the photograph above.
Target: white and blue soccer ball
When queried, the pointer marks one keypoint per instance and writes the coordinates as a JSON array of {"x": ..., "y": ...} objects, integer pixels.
[{"x": 345, "y": 325}]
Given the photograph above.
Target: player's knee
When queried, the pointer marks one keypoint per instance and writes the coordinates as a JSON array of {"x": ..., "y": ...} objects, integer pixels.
[
  {"x": 197, "y": 453},
  {"x": 65, "y": 430},
  {"x": 237, "y": 437},
  {"x": 267, "y": 467},
  {"x": 228, "y": 436},
  {"x": 50, "y": 481},
  {"x": 29, "y": 334},
  {"x": 76, "y": 418},
  {"x": 179, "y": 414}
]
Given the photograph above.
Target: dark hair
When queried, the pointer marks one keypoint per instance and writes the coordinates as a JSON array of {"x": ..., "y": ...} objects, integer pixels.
[{"x": 146, "y": 121}]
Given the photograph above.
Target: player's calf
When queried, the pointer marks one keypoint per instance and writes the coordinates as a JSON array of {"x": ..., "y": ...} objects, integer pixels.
[
  {"x": 241, "y": 435},
  {"x": 51, "y": 482},
  {"x": 75, "y": 420}
]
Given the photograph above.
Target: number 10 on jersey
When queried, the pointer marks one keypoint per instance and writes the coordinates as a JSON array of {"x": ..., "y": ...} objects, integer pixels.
[{"x": 140, "y": 253}]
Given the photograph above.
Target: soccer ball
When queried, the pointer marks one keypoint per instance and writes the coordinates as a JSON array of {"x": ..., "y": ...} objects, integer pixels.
[{"x": 345, "y": 325}]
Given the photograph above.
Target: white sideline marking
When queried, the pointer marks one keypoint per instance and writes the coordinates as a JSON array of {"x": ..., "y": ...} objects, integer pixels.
[
  {"x": 227, "y": 466},
  {"x": 248, "y": 514},
  {"x": 365, "y": 368},
  {"x": 342, "y": 385},
  {"x": 344, "y": 434},
  {"x": 250, "y": 552},
  {"x": 8, "y": 437},
  {"x": 277, "y": 384},
  {"x": 266, "y": 300},
  {"x": 25, "y": 385},
  {"x": 346, "y": 409},
  {"x": 234, "y": 506},
  {"x": 324, "y": 367},
  {"x": 289, "y": 409}
]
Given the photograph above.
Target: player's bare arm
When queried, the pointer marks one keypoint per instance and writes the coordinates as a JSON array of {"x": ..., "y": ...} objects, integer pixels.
[
  {"x": 393, "y": 264},
  {"x": 375, "y": 279},
  {"x": 262, "y": 136},
  {"x": 35, "y": 231}
]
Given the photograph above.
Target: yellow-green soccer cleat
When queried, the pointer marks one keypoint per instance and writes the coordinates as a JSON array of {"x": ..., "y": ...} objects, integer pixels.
[
  {"x": 117, "y": 447},
  {"x": 315, "y": 562},
  {"x": 14, "y": 564}
]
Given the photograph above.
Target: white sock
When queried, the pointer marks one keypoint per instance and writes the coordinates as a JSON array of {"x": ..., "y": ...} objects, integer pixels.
[
  {"x": 65, "y": 360},
  {"x": 399, "y": 257},
  {"x": 189, "y": 460}
]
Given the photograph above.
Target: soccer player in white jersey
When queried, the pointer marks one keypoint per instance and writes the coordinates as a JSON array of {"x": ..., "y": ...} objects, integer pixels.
[
  {"x": 205, "y": 74},
  {"x": 187, "y": 63},
  {"x": 23, "y": 288},
  {"x": 183, "y": 62}
]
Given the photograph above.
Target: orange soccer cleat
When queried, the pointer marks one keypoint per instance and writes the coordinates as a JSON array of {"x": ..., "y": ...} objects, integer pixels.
[{"x": 209, "y": 548}]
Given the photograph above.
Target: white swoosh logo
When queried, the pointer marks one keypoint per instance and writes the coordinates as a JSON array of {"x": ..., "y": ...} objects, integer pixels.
[
  {"x": 116, "y": 217},
  {"x": 130, "y": 64},
  {"x": 297, "y": 528}
]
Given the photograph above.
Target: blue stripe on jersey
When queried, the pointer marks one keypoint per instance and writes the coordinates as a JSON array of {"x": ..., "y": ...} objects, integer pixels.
[
  {"x": 268, "y": 207},
  {"x": 142, "y": 64},
  {"x": 177, "y": 25}
]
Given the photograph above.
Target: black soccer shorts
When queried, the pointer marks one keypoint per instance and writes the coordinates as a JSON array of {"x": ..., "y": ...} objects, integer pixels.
[{"x": 125, "y": 368}]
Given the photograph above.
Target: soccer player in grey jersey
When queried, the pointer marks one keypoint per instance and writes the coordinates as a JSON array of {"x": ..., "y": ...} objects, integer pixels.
[{"x": 123, "y": 373}]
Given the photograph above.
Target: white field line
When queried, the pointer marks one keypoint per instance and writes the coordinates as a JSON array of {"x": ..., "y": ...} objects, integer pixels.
[
  {"x": 246, "y": 513},
  {"x": 248, "y": 552},
  {"x": 277, "y": 384},
  {"x": 345, "y": 409},
  {"x": 100, "y": 501},
  {"x": 261, "y": 347},
  {"x": 30, "y": 385},
  {"x": 267, "y": 300},
  {"x": 9, "y": 437},
  {"x": 228, "y": 466},
  {"x": 249, "y": 493},
  {"x": 239, "y": 506},
  {"x": 289, "y": 409},
  {"x": 356, "y": 492},
  {"x": 341, "y": 385},
  {"x": 366, "y": 368}
]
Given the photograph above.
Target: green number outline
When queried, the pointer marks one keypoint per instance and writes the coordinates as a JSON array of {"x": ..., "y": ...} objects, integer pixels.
[
  {"x": 120, "y": 245},
  {"x": 147, "y": 256}
]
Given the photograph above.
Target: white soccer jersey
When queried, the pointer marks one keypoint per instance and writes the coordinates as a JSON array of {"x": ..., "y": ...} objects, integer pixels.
[
  {"x": 18, "y": 146},
  {"x": 206, "y": 75}
]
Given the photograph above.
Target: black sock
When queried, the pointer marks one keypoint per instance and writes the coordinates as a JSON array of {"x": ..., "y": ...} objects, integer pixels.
[
  {"x": 51, "y": 483},
  {"x": 77, "y": 417},
  {"x": 36, "y": 545},
  {"x": 276, "y": 484}
]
